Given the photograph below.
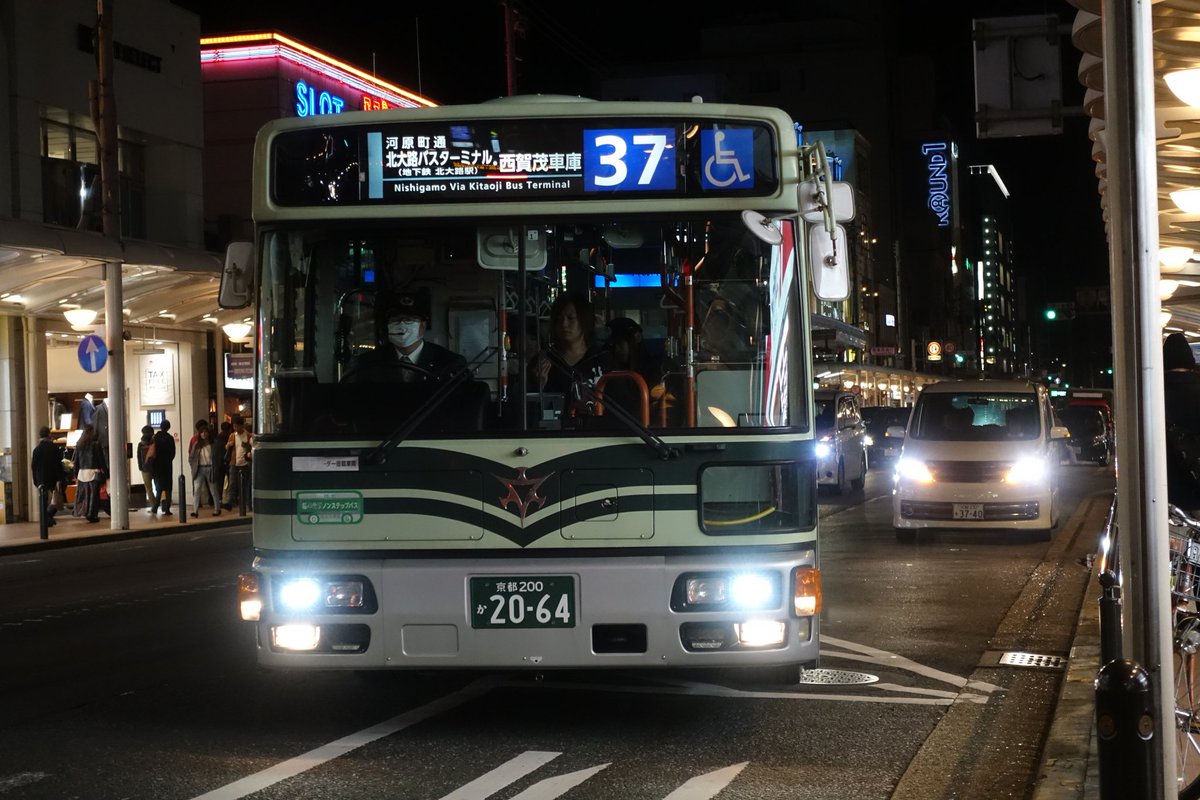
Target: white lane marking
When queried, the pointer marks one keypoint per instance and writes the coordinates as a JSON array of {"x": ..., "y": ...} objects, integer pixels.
[
  {"x": 711, "y": 690},
  {"x": 17, "y": 780},
  {"x": 314, "y": 758},
  {"x": 703, "y": 787},
  {"x": 883, "y": 657},
  {"x": 507, "y": 773},
  {"x": 558, "y": 785},
  {"x": 23, "y": 561}
]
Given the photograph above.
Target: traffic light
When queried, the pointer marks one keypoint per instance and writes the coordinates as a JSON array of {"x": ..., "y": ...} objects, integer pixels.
[{"x": 1057, "y": 311}]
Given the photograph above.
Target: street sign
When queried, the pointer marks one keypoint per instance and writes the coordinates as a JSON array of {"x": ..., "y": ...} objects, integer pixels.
[
  {"x": 93, "y": 353},
  {"x": 933, "y": 351}
]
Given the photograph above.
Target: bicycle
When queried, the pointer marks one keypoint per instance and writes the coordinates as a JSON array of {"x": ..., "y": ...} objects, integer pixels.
[{"x": 1184, "y": 533}]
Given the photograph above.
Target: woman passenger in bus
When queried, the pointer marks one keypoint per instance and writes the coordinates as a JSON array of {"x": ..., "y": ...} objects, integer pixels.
[{"x": 572, "y": 363}]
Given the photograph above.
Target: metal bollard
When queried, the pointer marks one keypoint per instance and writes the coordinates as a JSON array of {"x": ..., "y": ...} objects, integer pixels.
[
  {"x": 181, "y": 501},
  {"x": 43, "y": 521},
  {"x": 1125, "y": 726},
  {"x": 243, "y": 488},
  {"x": 1110, "y": 617}
]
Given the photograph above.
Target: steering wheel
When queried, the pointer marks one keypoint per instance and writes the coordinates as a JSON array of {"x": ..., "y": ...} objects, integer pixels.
[{"x": 387, "y": 372}]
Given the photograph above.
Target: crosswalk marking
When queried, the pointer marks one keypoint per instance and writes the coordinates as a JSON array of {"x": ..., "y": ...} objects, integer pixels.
[
  {"x": 703, "y": 787},
  {"x": 509, "y": 772},
  {"x": 314, "y": 758},
  {"x": 558, "y": 785}
]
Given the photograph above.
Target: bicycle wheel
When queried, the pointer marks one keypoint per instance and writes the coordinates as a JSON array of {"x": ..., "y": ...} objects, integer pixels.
[{"x": 1186, "y": 651}]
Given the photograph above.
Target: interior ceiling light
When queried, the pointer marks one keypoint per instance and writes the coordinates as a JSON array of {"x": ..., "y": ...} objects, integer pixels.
[
  {"x": 1174, "y": 256},
  {"x": 1185, "y": 84},
  {"x": 80, "y": 318},
  {"x": 1166, "y": 288},
  {"x": 1187, "y": 200},
  {"x": 237, "y": 331},
  {"x": 1164, "y": 317}
]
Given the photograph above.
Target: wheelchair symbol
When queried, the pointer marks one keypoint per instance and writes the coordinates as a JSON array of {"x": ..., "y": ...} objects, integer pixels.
[{"x": 724, "y": 158}]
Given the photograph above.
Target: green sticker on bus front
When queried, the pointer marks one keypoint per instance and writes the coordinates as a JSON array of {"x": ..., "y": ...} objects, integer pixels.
[{"x": 329, "y": 508}]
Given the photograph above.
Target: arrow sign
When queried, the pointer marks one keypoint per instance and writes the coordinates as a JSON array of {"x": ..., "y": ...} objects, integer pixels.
[{"x": 93, "y": 353}]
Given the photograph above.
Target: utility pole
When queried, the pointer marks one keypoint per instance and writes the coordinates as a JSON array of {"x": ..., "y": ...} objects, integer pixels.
[
  {"x": 510, "y": 45},
  {"x": 104, "y": 115}
]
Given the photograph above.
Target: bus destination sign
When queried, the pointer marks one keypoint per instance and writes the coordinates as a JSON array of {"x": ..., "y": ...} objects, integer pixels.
[{"x": 483, "y": 161}]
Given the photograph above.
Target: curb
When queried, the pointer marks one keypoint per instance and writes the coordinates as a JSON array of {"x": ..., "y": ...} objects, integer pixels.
[{"x": 77, "y": 540}]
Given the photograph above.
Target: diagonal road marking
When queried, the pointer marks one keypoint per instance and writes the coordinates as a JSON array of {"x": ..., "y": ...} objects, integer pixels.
[
  {"x": 862, "y": 652},
  {"x": 703, "y": 787},
  {"x": 314, "y": 758},
  {"x": 510, "y": 771},
  {"x": 558, "y": 785}
]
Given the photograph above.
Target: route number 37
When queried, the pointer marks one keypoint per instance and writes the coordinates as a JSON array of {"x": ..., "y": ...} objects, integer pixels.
[{"x": 629, "y": 159}]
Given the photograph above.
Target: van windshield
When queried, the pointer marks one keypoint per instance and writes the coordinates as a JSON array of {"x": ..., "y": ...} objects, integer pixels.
[{"x": 977, "y": 417}]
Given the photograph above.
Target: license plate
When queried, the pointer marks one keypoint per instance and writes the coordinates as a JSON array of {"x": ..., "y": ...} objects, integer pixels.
[
  {"x": 1193, "y": 552},
  {"x": 968, "y": 510},
  {"x": 527, "y": 601}
]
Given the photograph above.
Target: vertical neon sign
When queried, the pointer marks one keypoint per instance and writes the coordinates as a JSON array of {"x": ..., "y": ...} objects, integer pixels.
[{"x": 937, "y": 165}]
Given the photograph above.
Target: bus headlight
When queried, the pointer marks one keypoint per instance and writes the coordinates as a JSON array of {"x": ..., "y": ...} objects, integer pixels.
[
  {"x": 726, "y": 591},
  {"x": 309, "y": 594}
]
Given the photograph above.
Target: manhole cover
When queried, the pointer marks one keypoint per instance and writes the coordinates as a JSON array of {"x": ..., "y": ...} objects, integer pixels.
[
  {"x": 835, "y": 677},
  {"x": 1015, "y": 659}
]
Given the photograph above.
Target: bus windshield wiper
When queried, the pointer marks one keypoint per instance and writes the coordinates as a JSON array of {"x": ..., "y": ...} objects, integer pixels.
[
  {"x": 660, "y": 447},
  {"x": 378, "y": 453}
]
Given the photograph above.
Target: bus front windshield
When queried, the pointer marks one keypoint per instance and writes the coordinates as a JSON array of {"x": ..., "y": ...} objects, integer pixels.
[{"x": 622, "y": 324}]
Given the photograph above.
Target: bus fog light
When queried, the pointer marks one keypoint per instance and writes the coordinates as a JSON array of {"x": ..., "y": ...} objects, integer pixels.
[
  {"x": 760, "y": 632},
  {"x": 296, "y": 637},
  {"x": 711, "y": 589},
  {"x": 705, "y": 636},
  {"x": 804, "y": 629}
]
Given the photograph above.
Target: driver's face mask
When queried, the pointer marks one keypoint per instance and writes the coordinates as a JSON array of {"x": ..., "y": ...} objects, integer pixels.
[{"x": 404, "y": 333}]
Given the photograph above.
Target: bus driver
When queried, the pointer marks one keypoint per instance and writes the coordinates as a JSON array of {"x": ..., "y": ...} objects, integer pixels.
[{"x": 402, "y": 354}]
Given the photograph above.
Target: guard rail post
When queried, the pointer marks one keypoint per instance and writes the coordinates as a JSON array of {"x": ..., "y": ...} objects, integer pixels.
[
  {"x": 1110, "y": 617},
  {"x": 1125, "y": 728},
  {"x": 181, "y": 501},
  {"x": 243, "y": 489},
  {"x": 43, "y": 520}
]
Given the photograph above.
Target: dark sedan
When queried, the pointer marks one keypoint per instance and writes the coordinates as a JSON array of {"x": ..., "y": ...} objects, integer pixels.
[
  {"x": 1089, "y": 434},
  {"x": 882, "y": 447}
]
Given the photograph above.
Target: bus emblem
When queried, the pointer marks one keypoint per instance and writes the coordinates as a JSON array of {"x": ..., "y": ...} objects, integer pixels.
[{"x": 522, "y": 492}]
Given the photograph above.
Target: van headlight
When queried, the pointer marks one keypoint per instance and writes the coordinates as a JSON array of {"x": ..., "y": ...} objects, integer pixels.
[
  {"x": 911, "y": 469},
  {"x": 1026, "y": 471},
  {"x": 824, "y": 446}
]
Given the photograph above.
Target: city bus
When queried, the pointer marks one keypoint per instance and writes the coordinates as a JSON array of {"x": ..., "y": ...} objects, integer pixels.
[{"x": 663, "y": 515}]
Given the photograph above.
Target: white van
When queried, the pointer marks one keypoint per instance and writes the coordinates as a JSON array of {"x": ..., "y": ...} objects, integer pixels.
[{"x": 979, "y": 455}]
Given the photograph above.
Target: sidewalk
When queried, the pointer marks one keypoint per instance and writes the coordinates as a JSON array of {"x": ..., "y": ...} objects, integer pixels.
[{"x": 19, "y": 537}]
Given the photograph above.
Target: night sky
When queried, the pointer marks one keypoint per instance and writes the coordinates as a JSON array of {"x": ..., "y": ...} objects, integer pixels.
[{"x": 458, "y": 57}]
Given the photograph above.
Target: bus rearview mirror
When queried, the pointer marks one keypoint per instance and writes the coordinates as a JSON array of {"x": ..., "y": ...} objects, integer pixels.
[{"x": 237, "y": 276}]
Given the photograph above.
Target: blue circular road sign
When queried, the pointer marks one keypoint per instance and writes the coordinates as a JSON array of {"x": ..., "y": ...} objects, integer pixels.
[{"x": 93, "y": 353}]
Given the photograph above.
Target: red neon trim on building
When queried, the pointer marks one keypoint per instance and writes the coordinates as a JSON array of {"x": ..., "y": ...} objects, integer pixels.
[{"x": 211, "y": 51}]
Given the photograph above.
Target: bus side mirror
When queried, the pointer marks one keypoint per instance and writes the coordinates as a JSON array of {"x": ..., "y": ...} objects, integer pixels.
[
  {"x": 237, "y": 277},
  {"x": 827, "y": 259}
]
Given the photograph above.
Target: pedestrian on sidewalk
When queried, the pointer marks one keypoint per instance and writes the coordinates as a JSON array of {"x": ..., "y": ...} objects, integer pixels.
[
  {"x": 201, "y": 460},
  {"x": 239, "y": 449},
  {"x": 91, "y": 471},
  {"x": 146, "y": 467},
  {"x": 164, "y": 462},
  {"x": 48, "y": 472}
]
